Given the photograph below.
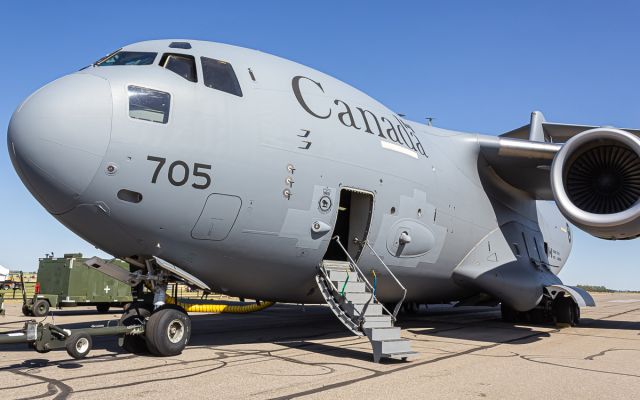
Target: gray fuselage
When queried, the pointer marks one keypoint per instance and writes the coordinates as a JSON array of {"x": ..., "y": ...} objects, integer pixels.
[{"x": 279, "y": 156}]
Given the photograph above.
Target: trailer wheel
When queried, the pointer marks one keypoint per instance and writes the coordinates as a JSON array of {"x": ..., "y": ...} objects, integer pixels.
[
  {"x": 135, "y": 315},
  {"x": 40, "y": 308},
  {"x": 168, "y": 331},
  {"x": 102, "y": 308},
  {"x": 78, "y": 345}
]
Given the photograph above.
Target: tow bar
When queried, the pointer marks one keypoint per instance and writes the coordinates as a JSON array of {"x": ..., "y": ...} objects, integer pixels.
[{"x": 46, "y": 337}]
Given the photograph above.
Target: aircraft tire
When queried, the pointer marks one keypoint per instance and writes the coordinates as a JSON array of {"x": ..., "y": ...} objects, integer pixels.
[
  {"x": 40, "y": 308},
  {"x": 135, "y": 315},
  {"x": 508, "y": 314},
  {"x": 564, "y": 311},
  {"x": 168, "y": 331},
  {"x": 537, "y": 316},
  {"x": 576, "y": 314}
]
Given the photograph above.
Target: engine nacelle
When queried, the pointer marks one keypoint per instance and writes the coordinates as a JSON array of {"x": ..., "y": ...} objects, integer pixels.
[{"x": 595, "y": 179}]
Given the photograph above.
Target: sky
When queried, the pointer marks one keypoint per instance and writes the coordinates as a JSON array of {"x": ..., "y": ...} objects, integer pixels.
[{"x": 473, "y": 66}]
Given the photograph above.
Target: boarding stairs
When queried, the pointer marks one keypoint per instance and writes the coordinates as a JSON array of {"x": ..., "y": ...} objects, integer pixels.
[{"x": 352, "y": 298}]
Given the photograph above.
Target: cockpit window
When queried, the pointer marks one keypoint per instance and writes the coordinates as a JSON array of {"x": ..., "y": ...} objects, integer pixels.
[
  {"x": 148, "y": 104},
  {"x": 182, "y": 64},
  {"x": 128, "y": 58},
  {"x": 219, "y": 75}
]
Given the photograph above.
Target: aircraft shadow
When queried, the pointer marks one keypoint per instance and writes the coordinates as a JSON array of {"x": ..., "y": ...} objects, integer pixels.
[{"x": 301, "y": 327}]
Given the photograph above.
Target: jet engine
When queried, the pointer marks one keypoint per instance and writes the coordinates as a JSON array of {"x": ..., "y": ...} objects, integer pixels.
[{"x": 595, "y": 179}]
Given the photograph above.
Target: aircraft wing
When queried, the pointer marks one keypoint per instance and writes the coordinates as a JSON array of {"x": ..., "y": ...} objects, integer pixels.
[
  {"x": 523, "y": 164},
  {"x": 555, "y": 132},
  {"x": 523, "y": 156}
]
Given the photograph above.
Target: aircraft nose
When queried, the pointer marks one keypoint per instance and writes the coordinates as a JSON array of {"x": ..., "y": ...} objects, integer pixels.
[{"x": 58, "y": 137}]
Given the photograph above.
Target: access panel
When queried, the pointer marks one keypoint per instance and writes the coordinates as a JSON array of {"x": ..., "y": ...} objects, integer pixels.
[{"x": 217, "y": 218}]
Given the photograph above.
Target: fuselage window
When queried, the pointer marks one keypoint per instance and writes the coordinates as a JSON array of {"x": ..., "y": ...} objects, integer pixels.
[
  {"x": 182, "y": 64},
  {"x": 128, "y": 58},
  {"x": 219, "y": 75},
  {"x": 148, "y": 104}
]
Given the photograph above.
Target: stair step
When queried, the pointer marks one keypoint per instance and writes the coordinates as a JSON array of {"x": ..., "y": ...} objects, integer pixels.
[
  {"x": 355, "y": 309},
  {"x": 389, "y": 347},
  {"x": 336, "y": 265},
  {"x": 336, "y": 275},
  {"x": 350, "y": 287},
  {"x": 335, "y": 307},
  {"x": 382, "y": 321},
  {"x": 383, "y": 333},
  {"x": 358, "y": 297}
]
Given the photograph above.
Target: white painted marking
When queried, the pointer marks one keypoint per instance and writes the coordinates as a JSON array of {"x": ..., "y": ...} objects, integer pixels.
[
  {"x": 398, "y": 148},
  {"x": 106, "y": 289},
  {"x": 624, "y": 301}
]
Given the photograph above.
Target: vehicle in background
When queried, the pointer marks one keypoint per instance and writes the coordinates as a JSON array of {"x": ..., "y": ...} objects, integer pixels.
[
  {"x": 68, "y": 282},
  {"x": 10, "y": 285},
  {"x": 5, "y": 281},
  {"x": 4, "y": 273}
]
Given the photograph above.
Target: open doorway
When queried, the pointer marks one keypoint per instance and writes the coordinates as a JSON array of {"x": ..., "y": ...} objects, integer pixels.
[{"x": 352, "y": 222}]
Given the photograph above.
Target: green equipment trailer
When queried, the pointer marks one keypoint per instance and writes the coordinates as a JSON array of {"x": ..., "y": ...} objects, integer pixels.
[{"x": 68, "y": 282}]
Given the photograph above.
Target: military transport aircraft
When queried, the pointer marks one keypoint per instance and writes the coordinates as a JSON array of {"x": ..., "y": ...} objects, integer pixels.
[{"x": 255, "y": 176}]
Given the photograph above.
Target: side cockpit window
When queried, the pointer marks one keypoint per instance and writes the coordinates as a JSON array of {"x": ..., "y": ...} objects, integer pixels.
[
  {"x": 128, "y": 58},
  {"x": 182, "y": 64},
  {"x": 219, "y": 75},
  {"x": 148, "y": 104}
]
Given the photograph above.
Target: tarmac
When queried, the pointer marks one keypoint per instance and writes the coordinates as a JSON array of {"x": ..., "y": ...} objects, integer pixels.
[{"x": 293, "y": 351}]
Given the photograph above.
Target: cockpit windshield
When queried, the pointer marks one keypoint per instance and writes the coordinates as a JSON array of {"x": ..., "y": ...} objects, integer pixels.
[{"x": 128, "y": 58}]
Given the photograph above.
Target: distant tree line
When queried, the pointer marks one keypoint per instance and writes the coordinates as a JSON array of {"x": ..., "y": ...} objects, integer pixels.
[
  {"x": 603, "y": 289},
  {"x": 596, "y": 289}
]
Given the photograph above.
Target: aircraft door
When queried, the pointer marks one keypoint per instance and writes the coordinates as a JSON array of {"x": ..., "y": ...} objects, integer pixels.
[{"x": 352, "y": 224}]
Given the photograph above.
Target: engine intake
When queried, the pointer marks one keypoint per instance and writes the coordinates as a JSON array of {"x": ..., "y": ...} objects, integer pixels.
[{"x": 595, "y": 179}]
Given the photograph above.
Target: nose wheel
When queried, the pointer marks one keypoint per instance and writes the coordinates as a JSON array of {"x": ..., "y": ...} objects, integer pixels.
[{"x": 168, "y": 331}]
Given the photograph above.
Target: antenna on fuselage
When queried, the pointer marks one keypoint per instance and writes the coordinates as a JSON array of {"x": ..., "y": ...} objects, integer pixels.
[{"x": 430, "y": 120}]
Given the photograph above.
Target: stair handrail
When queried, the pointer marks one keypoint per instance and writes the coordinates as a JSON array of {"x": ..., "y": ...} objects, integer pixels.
[
  {"x": 364, "y": 277},
  {"x": 404, "y": 290},
  {"x": 334, "y": 289}
]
